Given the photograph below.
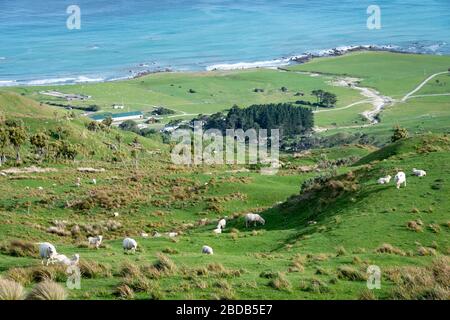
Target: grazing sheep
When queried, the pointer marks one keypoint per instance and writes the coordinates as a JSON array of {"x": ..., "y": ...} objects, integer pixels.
[
  {"x": 207, "y": 250},
  {"x": 95, "y": 241},
  {"x": 384, "y": 180},
  {"x": 94, "y": 181},
  {"x": 400, "y": 178},
  {"x": 218, "y": 230},
  {"x": 255, "y": 218},
  {"x": 116, "y": 214},
  {"x": 129, "y": 245},
  {"x": 419, "y": 173},
  {"x": 222, "y": 223},
  {"x": 47, "y": 252},
  {"x": 172, "y": 234},
  {"x": 62, "y": 259},
  {"x": 144, "y": 235}
]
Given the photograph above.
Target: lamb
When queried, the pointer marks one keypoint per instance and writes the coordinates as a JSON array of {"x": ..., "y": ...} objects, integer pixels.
[
  {"x": 47, "y": 252},
  {"x": 129, "y": 245},
  {"x": 222, "y": 223},
  {"x": 255, "y": 218},
  {"x": 419, "y": 173},
  {"x": 95, "y": 241},
  {"x": 62, "y": 259},
  {"x": 218, "y": 230},
  {"x": 384, "y": 180},
  {"x": 207, "y": 250},
  {"x": 400, "y": 178}
]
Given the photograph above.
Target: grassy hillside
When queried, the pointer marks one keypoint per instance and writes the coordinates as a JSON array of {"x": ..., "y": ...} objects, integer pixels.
[
  {"x": 327, "y": 219},
  {"x": 393, "y": 74}
]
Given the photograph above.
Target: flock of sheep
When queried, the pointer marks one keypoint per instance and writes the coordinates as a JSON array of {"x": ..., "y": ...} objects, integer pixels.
[
  {"x": 400, "y": 177},
  {"x": 49, "y": 255}
]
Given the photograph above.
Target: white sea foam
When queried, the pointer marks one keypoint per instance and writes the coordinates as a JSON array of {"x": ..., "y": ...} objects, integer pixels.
[
  {"x": 7, "y": 83},
  {"x": 249, "y": 65}
]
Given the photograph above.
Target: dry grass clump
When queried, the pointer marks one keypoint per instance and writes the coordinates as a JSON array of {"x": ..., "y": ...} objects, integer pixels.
[
  {"x": 10, "y": 290},
  {"x": 314, "y": 285},
  {"x": 164, "y": 264},
  {"x": 92, "y": 269},
  {"x": 280, "y": 282},
  {"x": 47, "y": 290},
  {"x": 340, "y": 251},
  {"x": 48, "y": 273},
  {"x": 425, "y": 251},
  {"x": 317, "y": 257},
  {"x": 150, "y": 271},
  {"x": 124, "y": 292},
  {"x": 367, "y": 294},
  {"x": 170, "y": 251},
  {"x": 19, "y": 248},
  {"x": 297, "y": 263},
  {"x": 351, "y": 274},
  {"x": 129, "y": 269},
  {"x": 390, "y": 249},
  {"x": 434, "y": 227},
  {"x": 415, "y": 225},
  {"x": 20, "y": 275},
  {"x": 223, "y": 284}
]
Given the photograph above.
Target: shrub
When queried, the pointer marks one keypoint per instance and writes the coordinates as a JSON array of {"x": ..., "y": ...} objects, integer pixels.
[
  {"x": 47, "y": 290},
  {"x": 10, "y": 290}
]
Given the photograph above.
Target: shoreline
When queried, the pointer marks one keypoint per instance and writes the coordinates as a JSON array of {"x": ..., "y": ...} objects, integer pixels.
[{"x": 279, "y": 64}]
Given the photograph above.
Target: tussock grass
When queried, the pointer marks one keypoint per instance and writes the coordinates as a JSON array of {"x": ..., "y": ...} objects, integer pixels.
[
  {"x": 367, "y": 294},
  {"x": 19, "y": 248},
  {"x": 11, "y": 290},
  {"x": 170, "y": 251},
  {"x": 340, "y": 251},
  {"x": 390, "y": 249},
  {"x": 47, "y": 290},
  {"x": 129, "y": 269},
  {"x": 349, "y": 273},
  {"x": 164, "y": 264},
  {"x": 92, "y": 269},
  {"x": 434, "y": 227},
  {"x": 280, "y": 282},
  {"x": 20, "y": 275},
  {"x": 314, "y": 285},
  {"x": 124, "y": 292},
  {"x": 425, "y": 251},
  {"x": 415, "y": 225}
]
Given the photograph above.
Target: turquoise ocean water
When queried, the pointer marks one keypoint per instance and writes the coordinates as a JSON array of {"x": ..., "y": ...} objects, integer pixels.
[{"x": 119, "y": 38}]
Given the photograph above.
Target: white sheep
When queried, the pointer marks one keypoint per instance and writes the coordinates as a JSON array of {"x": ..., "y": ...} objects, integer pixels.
[
  {"x": 218, "y": 230},
  {"x": 95, "y": 241},
  {"x": 78, "y": 182},
  {"x": 62, "y": 259},
  {"x": 94, "y": 181},
  {"x": 172, "y": 234},
  {"x": 419, "y": 173},
  {"x": 400, "y": 178},
  {"x": 222, "y": 224},
  {"x": 144, "y": 235},
  {"x": 255, "y": 218},
  {"x": 207, "y": 250},
  {"x": 115, "y": 214},
  {"x": 384, "y": 180},
  {"x": 129, "y": 245},
  {"x": 47, "y": 252}
]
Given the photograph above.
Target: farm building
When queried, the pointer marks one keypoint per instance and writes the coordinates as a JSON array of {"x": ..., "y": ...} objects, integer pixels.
[{"x": 119, "y": 117}]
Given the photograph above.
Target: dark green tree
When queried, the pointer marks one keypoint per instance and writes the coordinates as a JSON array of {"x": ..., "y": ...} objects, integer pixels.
[{"x": 399, "y": 133}]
